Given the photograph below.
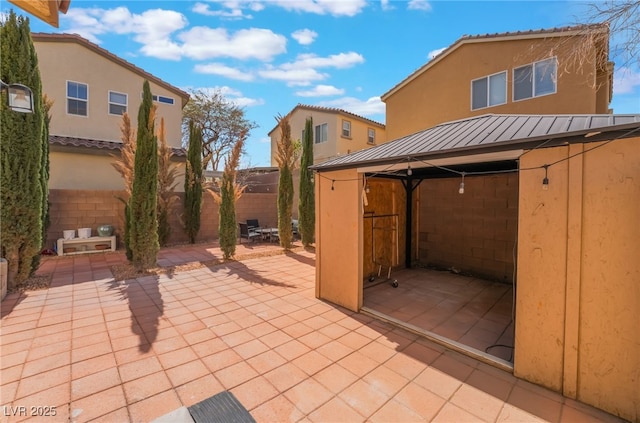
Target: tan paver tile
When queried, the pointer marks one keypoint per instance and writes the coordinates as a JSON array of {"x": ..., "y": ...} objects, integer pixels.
[
  {"x": 146, "y": 387},
  {"x": 285, "y": 376},
  {"x": 451, "y": 413},
  {"x": 437, "y": 382},
  {"x": 511, "y": 414},
  {"x": 43, "y": 381},
  {"x": 15, "y": 359},
  {"x": 12, "y": 374},
  {"x": 358, "y": 364},
  {"x": 279, "y": 409},
  {"x": 335, "y": 378},
  {"x": 137, "y": 369},
  {"x": 354, "y": 340},
  {"x": 393, "y": 412},
  {"x": 255, "y": 392},
  {"x": 311, "y": 362},
  {"x": 92, "y": 365},
  {"x": 275, "y": 338},
  {"x": 490, "y": 384},
  {"x": 177, "y": 357},
  {"x": 200, "y": 389},
  {"x": 266, "y": 361},
  {"x": 235, "y": 375},
  {"x": 221, "y": 360},
  {"x": 292, "y": 349},
  {"x": 96, "y": 382},
  {"x": 334, "y": 350},
  {"x": 187, "y": 372},
  {"x": 133, "y": 354},
  {"x": 119, "y": 415},
  {"x": 477, "y": 402},
  {"x": 90, "y": 351},
  {"x": 335, "y": 410},
  {"x": 364, "y": 398},
  {"x": 96, "y": 405},
  {"x": 385, "y": 380},
  {"x": 308, "y": 395},
  {"x": 154, "y": 407}
]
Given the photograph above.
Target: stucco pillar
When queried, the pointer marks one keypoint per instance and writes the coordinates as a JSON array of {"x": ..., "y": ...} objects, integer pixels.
[{"x": 574, "y": 260}]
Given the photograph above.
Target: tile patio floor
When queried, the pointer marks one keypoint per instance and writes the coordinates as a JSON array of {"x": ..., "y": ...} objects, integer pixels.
[
  {"x": 100, "y": 350},
  {"x": 472, "y": 311}
]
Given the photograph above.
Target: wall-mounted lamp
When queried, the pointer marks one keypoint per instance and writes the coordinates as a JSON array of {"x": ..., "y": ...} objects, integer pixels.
[
  {"x": 409, "y": 171},
  {"x": 19, "y": 97},
  {"x": 545, "y": 181},
  {"x": 333, "y": 181}
]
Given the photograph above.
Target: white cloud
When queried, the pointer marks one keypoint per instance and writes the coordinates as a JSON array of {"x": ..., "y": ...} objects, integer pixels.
[
  {"x": 265, "y": 140},
  {"x": 293, "y": 77},
  {"x": 224, "y": 70},
  {"x": 625, "y": 81},
  {"x": 370, "y": 107},
  {"x": 155, "y": 28},
  {"x": 152, "y": 28},
  {"x": 385, "y": 4},
  {"x": 232, "y": 12},
  {"x": 305, "y": 36},
  {"x": 321, "y": 91},
  {"x": 322, "y": 7},
  {"x": 304, "y": 70},
  {"x": 433, "y": 53},
  {"x": 232, "y": 95},
  {"x": 254, "y": 43},
  {"x": 419, "y": 5}
]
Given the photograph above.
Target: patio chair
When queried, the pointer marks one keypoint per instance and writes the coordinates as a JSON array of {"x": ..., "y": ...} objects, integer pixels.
[
  {"x": 294, "y": 228},
  {"x": 253, "y": 224},
  {"x": 247, "y": 233}
]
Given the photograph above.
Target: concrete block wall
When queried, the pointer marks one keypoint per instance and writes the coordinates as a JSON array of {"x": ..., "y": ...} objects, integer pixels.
[
  {"x": 474, "y": 232},
  {"x": 73, "y": 209}
]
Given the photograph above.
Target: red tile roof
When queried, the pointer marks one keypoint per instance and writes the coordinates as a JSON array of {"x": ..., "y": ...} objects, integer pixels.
[{"x": 115, "y": 146}]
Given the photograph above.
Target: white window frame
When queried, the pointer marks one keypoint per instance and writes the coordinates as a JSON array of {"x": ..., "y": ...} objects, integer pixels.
[
  {"x": 170, "y": 101},
  {"x": 371, "y": 136},
  {"x": 533, "y": 75},
  {"x": 489, "y": 85},
  {"x": 110, "y": 103},
  {"x": 321, "y": 131},
  {"x": 346, "y": 128},
  {"x": 85, "y": 100}
]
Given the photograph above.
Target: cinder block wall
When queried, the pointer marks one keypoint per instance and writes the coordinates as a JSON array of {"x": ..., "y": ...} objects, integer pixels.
[
  {"x": 73, "y": 209},
  {"x": 474, "y": 232}
]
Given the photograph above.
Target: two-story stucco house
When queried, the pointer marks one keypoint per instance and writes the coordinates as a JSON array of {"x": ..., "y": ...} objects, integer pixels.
[
  {"x": 525, "y": 72},
  {"x": 91, "y": 89},
  {"x": 504, "y": 164},
  {"x": 335, "y": 131}
]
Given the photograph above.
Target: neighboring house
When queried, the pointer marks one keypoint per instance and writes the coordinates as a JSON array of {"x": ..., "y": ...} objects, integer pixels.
[
  {"x": 91, "y": 89},
  {"x": 534, "y": 185},
  {"x": 335, "y": 132},
  {"x": 525, "y": 72}
]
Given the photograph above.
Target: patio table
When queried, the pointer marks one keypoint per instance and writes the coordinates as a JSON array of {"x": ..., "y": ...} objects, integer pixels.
[{"x": 270, "y": 234}]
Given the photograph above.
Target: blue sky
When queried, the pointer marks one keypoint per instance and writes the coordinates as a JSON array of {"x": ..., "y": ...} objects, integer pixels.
[{"x": 268, "y": 56}]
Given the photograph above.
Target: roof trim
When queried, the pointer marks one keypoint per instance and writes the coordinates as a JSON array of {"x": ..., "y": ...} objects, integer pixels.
[
  {"x": 75, "y": 38},
  {"x": 504, "y": 36},
  {"x": 489, "y": 134},
  {"x": 98, "y": 145},
  {"x": 332, "y": 110}
]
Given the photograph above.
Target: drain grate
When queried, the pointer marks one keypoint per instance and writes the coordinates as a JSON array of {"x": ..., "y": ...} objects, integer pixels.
[{"x": 220, "y": 408}]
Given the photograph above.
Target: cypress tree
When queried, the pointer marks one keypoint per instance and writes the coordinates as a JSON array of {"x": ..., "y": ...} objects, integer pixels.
[
  {"x": 285, "y": 157},
  {"x": 230, "y": 191},
  {"x": 166, "y": 186},
  {"x": 144, "y": 196},
  {"x": 193, "y": 183},
  {"x": 21, "y": 149},
  {"x": 306, "y": 205}
]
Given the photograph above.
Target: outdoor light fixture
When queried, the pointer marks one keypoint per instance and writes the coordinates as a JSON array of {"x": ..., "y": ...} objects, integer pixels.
[
  {"x": 409, "y": 171},
  {"x": 333, "y": 181},
  {"x": 461, "y": 189},
  {"x": 19, "y": 97},
  {"x": 545, "y": 181}
]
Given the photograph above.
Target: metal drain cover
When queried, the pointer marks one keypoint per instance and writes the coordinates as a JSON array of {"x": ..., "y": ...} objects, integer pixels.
[{"x": 220, "y": 408}]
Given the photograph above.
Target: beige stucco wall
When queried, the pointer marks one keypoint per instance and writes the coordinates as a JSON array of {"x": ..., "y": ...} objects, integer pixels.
[
  {"x": 578, "y": 296},
  {"x": 60, "y": 62},
  {"x": 443, "y": 92},
  {"x": 336, "y": 144},
  {"x": 339, "y": 238},
  {"x": 78, "y": 171}
]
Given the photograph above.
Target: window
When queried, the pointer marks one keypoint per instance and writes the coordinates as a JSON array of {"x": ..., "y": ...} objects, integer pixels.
[
  {"x": 371, "y": 136},
  {"x": 160, "y": 99},
  {"x": 117, "y": 103},
  {"x": 321, "y": 133},
  {"x": 535, "y": 80},
  {"x": 489, "y": 91},
  {"x": 77, "y": 98},
  {"x": 346, "y": 128}
]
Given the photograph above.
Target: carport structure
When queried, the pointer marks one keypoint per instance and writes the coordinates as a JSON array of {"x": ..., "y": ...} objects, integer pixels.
[{"x": 547, "y": 203}]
